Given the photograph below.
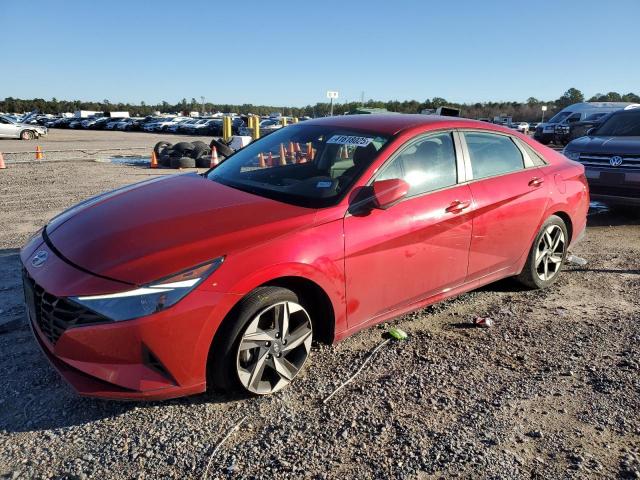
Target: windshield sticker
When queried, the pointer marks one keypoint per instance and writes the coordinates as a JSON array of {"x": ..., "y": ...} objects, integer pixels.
[
  {"x": 324, "y": 184},
  {"x": 350, "y": 140}
]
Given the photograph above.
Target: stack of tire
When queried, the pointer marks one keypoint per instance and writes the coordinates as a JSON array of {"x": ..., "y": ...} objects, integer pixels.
[{"x": 189, "y": 154}]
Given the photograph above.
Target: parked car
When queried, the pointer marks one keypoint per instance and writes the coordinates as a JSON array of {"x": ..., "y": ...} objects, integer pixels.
[
  {"x": 10, "y": 128},
  {"x": 611, "y": 156},
  {"x": 361, "y": 219},
  {"x": 546, "y": 132},
  {"x": 564, "y": 133},
  {"x": 267, "y": 126},
  {"x": 111, "y": 124},
  {"x": 522, "y": 127},
  {"x": 173, "y": 128}
]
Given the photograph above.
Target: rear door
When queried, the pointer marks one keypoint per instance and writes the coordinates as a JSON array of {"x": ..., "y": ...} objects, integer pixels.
[
  {"x": 510, "y": 197},
  {"x": 418, "y": 247}
]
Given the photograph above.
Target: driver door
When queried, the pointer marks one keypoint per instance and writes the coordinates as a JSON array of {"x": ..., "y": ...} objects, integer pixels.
[{"x": 417, "y": 248}]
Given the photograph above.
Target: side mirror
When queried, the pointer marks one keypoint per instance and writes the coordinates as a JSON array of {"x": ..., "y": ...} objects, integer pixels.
[
  {"x": 388, "y": 192},
  {"x": 381, "y": 194}
]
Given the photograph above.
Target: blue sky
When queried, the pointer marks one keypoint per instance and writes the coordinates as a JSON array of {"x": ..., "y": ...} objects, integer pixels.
[{"x": 292, "y": 52}]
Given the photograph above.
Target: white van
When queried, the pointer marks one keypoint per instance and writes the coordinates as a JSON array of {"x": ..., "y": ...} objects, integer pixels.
[{"x": 575, "y": 113}]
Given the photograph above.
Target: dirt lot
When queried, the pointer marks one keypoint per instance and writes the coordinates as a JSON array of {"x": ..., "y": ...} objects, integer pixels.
[
  {"x": 551, "y": 391},
  {"x": 89, "y": 144}
]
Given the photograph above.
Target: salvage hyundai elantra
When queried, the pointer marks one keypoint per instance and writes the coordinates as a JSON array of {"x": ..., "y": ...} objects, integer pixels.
[{"x": 223, "y": 280}]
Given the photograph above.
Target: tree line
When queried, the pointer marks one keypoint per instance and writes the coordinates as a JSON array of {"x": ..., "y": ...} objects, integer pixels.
[{"x": 530, "y": 110}]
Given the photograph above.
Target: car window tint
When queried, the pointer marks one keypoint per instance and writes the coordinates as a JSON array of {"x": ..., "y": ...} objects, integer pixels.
[
  {"x": 426, "y": 165},
  {"x": 492, "y": 154}
]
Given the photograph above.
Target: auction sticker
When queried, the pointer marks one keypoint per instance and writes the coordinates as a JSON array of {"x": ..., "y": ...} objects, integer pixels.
[{"x": 350, "y": 140}]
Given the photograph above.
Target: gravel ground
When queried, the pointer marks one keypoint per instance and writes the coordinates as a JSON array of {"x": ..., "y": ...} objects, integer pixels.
[
  {"x": 89, "y": 144},
  {"x": 552, "y": 390}
]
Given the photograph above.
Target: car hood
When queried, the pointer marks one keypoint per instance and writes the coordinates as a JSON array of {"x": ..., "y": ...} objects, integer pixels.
[
  {"x": 606, "y": 145},
  {"x": 144, "y": 232}
]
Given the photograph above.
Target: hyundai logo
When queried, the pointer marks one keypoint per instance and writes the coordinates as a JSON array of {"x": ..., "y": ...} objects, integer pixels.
[
  {"x": 39, "y": 258},
  {"x": 615, "y": 161}
]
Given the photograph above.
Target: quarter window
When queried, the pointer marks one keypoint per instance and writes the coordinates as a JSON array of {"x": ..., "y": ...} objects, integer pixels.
[
  {"x": 426, "y": 165},
  {"x": 492, "y": 155}
]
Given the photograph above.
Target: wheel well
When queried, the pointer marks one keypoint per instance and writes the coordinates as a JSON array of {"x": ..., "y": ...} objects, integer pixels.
[
  {"x": 315, "y": 300},
  {"x": 567, "y": 221}
]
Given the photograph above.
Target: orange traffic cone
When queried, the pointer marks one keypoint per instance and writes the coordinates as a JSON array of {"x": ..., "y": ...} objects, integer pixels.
[
  {"x": 39, "y": 153},
  {"x": 270, "y": 159},
  {"x": 214, "y": 157},
  {"x": 261, "y": 163},
  {"x": 291, "y": 153},
  {"x": 283, "y": 157},
  {"x": 2, "y": 165},
  {"x": 154, "y": 160}
]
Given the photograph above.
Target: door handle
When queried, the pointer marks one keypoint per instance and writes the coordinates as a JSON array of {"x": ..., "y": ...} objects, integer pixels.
[
  {"x": 536, "y": 182},
  {"x": 457, "y": 206}
]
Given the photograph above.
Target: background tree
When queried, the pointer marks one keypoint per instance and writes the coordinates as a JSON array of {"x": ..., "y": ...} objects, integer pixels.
[{"x": 571, "y": 96}]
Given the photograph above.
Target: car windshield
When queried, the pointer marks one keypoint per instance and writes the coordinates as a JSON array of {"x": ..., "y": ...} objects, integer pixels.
[
  {"x": 558, "y": 117},
  {"x": 307, "y": 165},
  {"x": 625, "y": 124}
]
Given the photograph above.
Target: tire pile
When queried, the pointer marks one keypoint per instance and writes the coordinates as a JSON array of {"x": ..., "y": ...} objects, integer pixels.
[{"x": 190, "y": 154}]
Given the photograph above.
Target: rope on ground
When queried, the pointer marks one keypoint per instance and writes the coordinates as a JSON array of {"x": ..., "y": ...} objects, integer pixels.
[
  {"x": 369, "y": 357},
  {"x": 219, "y": 445}
]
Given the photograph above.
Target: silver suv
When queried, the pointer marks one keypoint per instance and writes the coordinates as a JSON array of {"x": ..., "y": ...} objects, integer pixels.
[{"x": 10, "y": 128}]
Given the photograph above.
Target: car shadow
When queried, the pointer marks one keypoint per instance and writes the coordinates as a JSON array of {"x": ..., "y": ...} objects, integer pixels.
[{"x": 601, "y": 215}]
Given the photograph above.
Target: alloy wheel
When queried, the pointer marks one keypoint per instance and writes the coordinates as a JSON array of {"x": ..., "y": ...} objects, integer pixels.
[
  {"x": 550, "y": 252},
  {"x": 274, "y": 347}
]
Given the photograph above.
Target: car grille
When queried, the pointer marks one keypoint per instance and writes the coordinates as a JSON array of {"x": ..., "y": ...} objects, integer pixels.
[
  {"x": 54, "y": 315},
  {"x": 628, "y": 161}
]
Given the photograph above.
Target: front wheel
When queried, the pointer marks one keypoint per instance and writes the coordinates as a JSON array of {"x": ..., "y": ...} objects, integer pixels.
[
  {"x": 27, "y": 135},
  {"x": 264, "y": 347},
  {"x": 547, "y": 254}
]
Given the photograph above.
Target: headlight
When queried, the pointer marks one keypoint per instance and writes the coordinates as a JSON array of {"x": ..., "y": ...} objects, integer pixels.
[
  {"x": 151, "y": 298},
  {"x": 571, "y": 155}
]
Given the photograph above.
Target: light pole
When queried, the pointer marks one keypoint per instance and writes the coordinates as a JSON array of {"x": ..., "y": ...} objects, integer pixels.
[
  {"x": 331, "y": 96},
  {"x": 544, "y": 109},
  {"x": 202, "y": 100}
]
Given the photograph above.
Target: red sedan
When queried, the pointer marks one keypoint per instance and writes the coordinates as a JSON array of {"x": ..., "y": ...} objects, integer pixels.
[{"x": 162, "y": 288}]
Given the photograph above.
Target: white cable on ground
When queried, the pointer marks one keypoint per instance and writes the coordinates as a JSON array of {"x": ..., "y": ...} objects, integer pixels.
[
  {"x": 357, "y": 371},
  {"x": 215, "y": 450}
]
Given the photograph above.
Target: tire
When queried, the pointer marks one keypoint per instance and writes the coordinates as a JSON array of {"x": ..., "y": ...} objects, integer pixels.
[
  {"x": 200, "y": 149},
  {"x": 531, "y": 276},
  {"x": 223, "y": 150},
  {"x": 203, "y": 161},
  {"x": 227, "y": 361},
  {"x": 182, "y": 162},
  {"x": 160, "y": 147},
  {"x": 165, "y": 158},
  {"x": 184, "y": 147},
  {"x": 27, "y": 135}
]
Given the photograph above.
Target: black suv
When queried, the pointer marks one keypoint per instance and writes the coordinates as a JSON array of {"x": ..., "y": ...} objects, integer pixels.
[{"x": 611, "y": 156}]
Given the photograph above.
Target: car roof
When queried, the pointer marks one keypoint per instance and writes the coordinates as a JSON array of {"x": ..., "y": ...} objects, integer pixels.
[{"x": 391, "y": 123}]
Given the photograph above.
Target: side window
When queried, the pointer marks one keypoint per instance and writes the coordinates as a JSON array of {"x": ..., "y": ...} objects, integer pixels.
[
  {"x": 535, "y": 157},
  {"x": 492, "y": 154},
  {"x": 426, "y": 165},
  {"x": 574, "y": 118}
]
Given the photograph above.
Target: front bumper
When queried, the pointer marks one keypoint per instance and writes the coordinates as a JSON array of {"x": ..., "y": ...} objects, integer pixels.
[
  {"x": 614, "y": 185},
  {"x": 161, "y": 356}
]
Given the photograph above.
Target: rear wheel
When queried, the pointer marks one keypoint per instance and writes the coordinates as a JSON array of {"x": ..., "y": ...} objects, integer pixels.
[
  {"x": 265, "y": 345},
  {"x": 547, "y": 254}
]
